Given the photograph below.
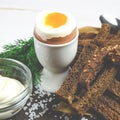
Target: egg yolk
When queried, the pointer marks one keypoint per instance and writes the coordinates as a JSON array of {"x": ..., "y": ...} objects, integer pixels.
[{"x": 55, "y": 19}]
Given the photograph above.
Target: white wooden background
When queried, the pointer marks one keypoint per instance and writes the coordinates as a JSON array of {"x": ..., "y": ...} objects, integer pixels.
[{"x": 17, "y": 16}]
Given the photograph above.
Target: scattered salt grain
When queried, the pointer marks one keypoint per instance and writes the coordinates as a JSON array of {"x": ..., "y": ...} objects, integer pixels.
[
  {"x": 25, "y": 108},
  {"x": 84, "y": 118},
  {"x": 26, "y": 113}
]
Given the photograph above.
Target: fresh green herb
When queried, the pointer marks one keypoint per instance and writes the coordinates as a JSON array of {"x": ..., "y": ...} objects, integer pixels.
[{"x": 23, "y": 50}]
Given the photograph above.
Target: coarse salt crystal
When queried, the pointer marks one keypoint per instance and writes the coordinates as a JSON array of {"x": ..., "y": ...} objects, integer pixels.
[{"x": 84, "y": 118}]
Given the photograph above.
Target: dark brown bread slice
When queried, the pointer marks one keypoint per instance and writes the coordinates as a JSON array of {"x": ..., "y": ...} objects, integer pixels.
[
  {"x": 111, "y": 108},
  {"x": 93, "y": 67},
  {"x": 111, "y": 103},
  {"x": 114, "y": 36},
  {"x": 114, "y": 99},
  {"x": 115, "y": 88},
  {"x": 69, "y": 86},
  {"x": 82, "y": 105},
  {"x": 104, "y": 43},
  {"x": 117, "y": 37},
  {"x": 113, "y": 50},
  {"x": 104, "y": 32},
  {"x": 106, "y": 111}
]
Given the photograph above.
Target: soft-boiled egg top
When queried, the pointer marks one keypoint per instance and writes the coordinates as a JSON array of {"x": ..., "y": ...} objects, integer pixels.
[{"x": 55, "y": 27}]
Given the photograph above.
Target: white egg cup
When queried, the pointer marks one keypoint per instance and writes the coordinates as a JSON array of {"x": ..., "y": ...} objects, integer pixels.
[{"x": 55, "y": 60}]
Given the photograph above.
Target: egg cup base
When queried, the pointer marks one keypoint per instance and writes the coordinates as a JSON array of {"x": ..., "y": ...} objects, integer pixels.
[{"x": 51, "y": 81}]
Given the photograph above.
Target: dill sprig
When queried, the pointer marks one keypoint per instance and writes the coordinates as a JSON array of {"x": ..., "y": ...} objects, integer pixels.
[{"x": 23, "y": 50}]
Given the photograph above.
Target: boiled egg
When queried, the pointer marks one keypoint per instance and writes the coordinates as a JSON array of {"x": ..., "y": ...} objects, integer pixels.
[{"x": 51, "y": 24}]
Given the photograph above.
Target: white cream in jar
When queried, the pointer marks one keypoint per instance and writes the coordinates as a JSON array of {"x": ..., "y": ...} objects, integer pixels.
[{"x": 9, "y": 88}]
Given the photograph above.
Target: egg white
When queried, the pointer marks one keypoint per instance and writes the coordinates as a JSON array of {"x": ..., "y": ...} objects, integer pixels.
[{"x": 47, "y": 32}]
